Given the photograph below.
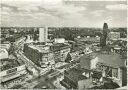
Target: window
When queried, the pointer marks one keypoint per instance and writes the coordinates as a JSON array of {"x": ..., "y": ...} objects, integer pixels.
[{"x": 115, "y": 72}]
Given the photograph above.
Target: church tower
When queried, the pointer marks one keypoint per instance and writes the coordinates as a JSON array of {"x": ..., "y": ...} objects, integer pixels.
[{"x": 104, "y": 35}]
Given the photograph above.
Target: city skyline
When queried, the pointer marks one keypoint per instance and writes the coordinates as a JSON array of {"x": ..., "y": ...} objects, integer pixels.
[
  {"x": 63, "y": 44},
  {"x": 27, "y": 13}
]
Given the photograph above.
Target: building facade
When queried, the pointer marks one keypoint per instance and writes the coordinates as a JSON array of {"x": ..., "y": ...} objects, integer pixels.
[
  {"x": 43, "y": 34},
  {"x": 43, "y": 55},
  {"x": 39, "y": 54},
  {"x": 60, "y": 51}
]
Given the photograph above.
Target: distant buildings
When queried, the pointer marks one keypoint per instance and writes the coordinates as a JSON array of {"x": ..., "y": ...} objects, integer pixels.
[
  {"x": 84, "y": 43},
  {"x": 114, "y": 35},
  {"x": 88, "y": 40}
]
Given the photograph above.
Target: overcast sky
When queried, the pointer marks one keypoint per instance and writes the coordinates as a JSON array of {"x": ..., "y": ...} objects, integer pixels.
[{"x": 61, "y": 13}]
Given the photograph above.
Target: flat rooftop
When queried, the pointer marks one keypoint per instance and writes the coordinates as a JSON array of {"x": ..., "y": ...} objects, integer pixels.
[
  {"x": 93, "y": 39},
  {"x": 110, "y": 59},
  {"x": 40, "y": 48},
  {"x": 59, "y": 46},
  {"x": 48, "y": 48}
]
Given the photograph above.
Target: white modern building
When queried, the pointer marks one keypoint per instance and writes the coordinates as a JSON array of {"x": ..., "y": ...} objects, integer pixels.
[
  {"x": 43, "y": 34},
  {"x": 59, "y": 40}
]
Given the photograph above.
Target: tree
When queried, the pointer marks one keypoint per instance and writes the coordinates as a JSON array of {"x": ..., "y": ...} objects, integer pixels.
[{"x": 68, "y": 58}]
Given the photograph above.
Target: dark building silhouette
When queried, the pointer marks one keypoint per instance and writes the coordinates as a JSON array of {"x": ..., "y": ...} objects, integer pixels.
[{"x": 104, "y": 35}]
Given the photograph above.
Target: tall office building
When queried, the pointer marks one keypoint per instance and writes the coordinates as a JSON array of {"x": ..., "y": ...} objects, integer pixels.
[
  {"x": 104, "y": 35},
  {"x": 43, "y": 34}
]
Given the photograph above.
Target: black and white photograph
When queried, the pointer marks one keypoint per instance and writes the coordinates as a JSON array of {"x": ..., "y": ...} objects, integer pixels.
[{"x": 63, "y": 44}]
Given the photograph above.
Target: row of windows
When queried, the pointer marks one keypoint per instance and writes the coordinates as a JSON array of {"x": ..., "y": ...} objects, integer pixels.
[{"x": 109, "y": 70}]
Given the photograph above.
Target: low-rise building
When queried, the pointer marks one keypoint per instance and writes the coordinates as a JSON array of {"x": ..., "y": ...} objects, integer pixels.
[
  {"x": 11, "y": 72},
  {"x": 59, "y": 40},
  {"x": 88, "y": 39},
  {"x": 72, "y": 77},
  {"x": 110, "y": 64},
  {"x": 3, "y": 53},
  {"x": 5, "y": 45},
  {"x": 10, "y": 68},
  {"x": 114, "y": 35},
  {"x": 60, "y": 51}
]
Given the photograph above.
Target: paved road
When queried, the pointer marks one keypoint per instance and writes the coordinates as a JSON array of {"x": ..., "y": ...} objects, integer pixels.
[
  {"x": 43, "y": 81},
  {"x": 38, "y": 81},
  {"x": 47, "y": 81}
]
